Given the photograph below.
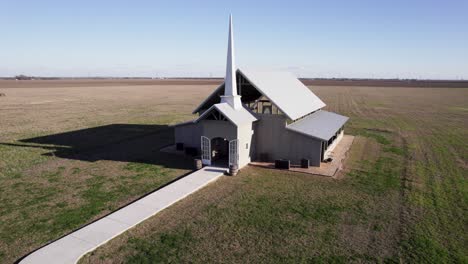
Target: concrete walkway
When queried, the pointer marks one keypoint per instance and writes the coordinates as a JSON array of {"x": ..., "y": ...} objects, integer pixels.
[{"x": 70, "y": 248}]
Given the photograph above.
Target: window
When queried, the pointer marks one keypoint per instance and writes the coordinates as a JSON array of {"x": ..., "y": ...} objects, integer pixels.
[
  {"x": 267, "y": 109},
  {"x": 247, "y": 146}
]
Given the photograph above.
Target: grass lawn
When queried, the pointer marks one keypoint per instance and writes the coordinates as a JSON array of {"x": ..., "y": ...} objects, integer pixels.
[
  {"x": 265, "y": 215},
  {"x": 49, "y": 196},
  {"x": 403, "y": 197},
  {"x": 71, "y": 155}
]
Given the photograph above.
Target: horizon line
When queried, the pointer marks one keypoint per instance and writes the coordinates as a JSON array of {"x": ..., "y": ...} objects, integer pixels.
[{"x": 28, "y": 77}]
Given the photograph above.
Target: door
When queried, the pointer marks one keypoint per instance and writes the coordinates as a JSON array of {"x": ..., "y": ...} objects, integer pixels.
[
  {"x": 234, "y": 152},
  {"x": 206, "y": 150}
]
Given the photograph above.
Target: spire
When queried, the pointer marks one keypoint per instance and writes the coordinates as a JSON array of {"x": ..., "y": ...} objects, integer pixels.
[{"x": 230, "y": 85}]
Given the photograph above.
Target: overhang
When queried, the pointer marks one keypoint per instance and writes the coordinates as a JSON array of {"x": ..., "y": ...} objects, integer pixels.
[
  {"x": 283, "y": 89},
  {"x": 321, "y": 125},
  {"x": 236, "y": 116}
]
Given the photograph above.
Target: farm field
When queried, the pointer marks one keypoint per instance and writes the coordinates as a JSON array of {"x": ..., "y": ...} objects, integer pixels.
[{"x": 71, "y": 153}]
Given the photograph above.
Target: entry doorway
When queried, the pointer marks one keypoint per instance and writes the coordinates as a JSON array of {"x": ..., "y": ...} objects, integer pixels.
[{"x": 219, "y": 151}]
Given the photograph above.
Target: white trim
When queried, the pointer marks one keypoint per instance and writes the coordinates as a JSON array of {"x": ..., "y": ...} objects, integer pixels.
[
  {"x": 234, "y": 152},
  {"x": 236, "y": 117},
  {"x": 205, "y": 150},
  {"x": 329, "y": 152},
  {"x": 209, "y": 110}
]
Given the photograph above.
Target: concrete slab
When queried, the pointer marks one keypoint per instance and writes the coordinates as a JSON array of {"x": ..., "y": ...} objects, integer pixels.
[
  {"x": 101, "y": 231},
  {"x": 133, "y": 214},
  {"x": 71, "y": 247},
  {"x": 65, "y": 250}
]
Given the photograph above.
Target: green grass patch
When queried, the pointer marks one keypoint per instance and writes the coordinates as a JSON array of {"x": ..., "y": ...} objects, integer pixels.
[
  {"x": 379, "y": 136},
  {"x": 378, "y": 177},
  {"x": 164, "y": 248},
  {"x": 323, "y": 211},
  {"x": 423, "y": 248},
  {"x": 442, "y": 197},
  {"x": 96, "y": 198},
  {"x": 54, "y": 176},
  {"x": 395, "y": 150},
  {"x": 142, "y": 168},
  {"x": 270, "y": 209},
  {"x": 101, "y": 196}
]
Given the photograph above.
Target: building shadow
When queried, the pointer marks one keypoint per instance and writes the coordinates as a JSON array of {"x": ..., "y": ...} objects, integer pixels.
[{"x": 116, "y": 142}]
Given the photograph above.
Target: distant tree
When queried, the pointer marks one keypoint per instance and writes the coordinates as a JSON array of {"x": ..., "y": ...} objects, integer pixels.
[{"x": 23, "y": 77}]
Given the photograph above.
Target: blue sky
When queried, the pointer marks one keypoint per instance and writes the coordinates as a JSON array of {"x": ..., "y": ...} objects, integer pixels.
[{"x": 376, "y": 39}]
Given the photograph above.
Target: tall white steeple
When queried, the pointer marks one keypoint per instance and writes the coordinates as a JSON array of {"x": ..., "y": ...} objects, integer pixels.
[{"x": 230, "y": 85}]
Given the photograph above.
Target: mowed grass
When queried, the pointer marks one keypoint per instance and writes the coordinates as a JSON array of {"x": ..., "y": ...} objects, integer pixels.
[
  {"x": 276, "y": 216},
  {"x": 71, "y": 155},
  {"x": 403, "y": 197},
  {"x": 44, "y": 197},
  {"x": 434, "y": 186}
]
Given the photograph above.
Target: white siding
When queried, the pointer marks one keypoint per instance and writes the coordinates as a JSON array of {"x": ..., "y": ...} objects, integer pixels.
[
  {"x": 245, "y": 134},
  {"x": 272, "y": 138},
  {"x": 215, "y": 128}
]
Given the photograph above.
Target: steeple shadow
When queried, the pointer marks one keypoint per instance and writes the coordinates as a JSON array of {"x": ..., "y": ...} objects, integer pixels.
[{"x": 116, "y": 142}]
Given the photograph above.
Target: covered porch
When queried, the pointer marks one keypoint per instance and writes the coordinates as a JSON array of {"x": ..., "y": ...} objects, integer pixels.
[{"x": 328, "y": 169}]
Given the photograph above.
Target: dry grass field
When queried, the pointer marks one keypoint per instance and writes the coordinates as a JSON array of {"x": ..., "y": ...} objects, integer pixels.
[{"x": 70, "y": 154}]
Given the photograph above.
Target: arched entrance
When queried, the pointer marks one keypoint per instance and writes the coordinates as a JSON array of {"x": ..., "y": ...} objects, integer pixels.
[{"x": 219, "y": 151}]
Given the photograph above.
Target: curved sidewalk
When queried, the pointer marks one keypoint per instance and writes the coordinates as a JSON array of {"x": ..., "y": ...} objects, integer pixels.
[{"x": 70, "y": 248}]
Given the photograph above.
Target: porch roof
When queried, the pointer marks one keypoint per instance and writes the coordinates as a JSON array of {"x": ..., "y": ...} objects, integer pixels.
[
  {"x": 236, "y": 116},
  {"x": 320, "y": 124}
]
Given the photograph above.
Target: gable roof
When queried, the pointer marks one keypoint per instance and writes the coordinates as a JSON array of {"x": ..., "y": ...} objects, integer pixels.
[
  {"x": 289, "y": 94},
  {"x": 321, "y": 124},
  {"x": 236, "y": 116}
]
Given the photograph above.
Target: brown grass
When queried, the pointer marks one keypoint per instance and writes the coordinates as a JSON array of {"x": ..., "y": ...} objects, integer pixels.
[
  {"x": 266, "y": 215},
  {"x": 60, "y": 83},
  {"x": 402, "y": 198},
  {"x": 65, "y": 152},
  {"x": 412, "y": 135}
]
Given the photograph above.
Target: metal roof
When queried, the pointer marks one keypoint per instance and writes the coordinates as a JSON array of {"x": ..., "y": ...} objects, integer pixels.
[
  {"x": 289, "y": 94},
  {"x": 321, "y": 124},
  {"x": 236, "y": 116},
  {"x": 282, "y": 88}
]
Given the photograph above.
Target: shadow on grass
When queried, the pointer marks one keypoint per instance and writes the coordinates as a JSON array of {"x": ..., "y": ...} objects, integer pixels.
[
  {"x": 115, "y": 142},
  {"x": 83, "y": 226}
]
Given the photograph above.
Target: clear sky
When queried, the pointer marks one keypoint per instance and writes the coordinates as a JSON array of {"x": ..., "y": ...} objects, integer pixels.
[{"x": 373, "y": 38}]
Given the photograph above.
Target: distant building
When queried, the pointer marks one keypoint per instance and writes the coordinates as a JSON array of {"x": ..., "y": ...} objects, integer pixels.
[
  {"x": 261, "y": 115},
  {"x": 23, "y": 77}
]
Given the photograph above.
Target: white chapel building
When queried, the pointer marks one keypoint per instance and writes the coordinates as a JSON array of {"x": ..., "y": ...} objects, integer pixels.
[{"x": 260, "y": 116}]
